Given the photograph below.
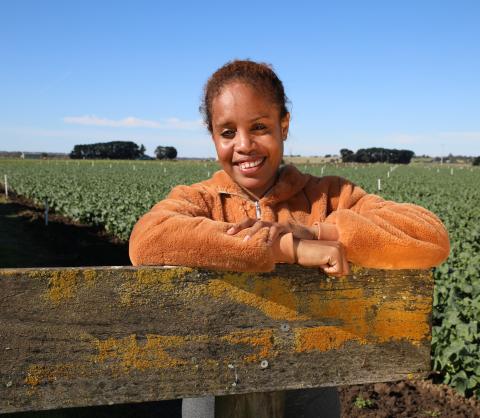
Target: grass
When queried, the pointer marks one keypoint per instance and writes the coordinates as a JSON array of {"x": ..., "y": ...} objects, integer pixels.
[{"x": 362, "y": 403}]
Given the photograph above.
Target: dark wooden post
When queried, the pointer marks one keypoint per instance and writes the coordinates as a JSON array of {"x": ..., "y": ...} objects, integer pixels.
[{"x": 93, "y": 336}]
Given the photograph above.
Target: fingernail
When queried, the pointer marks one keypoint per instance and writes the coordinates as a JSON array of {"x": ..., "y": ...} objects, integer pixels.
[
  {"x": 247, "y": 237},
  {"x": 230, "y": 230}
]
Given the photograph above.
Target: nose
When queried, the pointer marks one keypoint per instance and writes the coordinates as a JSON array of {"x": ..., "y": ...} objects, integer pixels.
[{"x": 244, "y": 143}]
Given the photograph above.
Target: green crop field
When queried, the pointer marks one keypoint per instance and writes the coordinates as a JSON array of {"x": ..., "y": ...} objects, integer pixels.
[{"x": 115, "y": 194}]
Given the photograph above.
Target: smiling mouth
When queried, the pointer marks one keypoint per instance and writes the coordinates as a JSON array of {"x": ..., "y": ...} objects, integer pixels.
[{"x": 251, "y": 164}]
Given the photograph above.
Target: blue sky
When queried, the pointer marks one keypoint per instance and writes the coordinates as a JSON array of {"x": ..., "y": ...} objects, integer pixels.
[{"x": 398, "y": 74}]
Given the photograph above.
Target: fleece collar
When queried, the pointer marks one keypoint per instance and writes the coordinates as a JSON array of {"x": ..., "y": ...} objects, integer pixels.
[{"x": 290, "y": 182}]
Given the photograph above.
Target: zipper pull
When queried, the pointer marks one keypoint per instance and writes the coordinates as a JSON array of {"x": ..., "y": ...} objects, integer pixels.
[{"x": 258, "y": 210}]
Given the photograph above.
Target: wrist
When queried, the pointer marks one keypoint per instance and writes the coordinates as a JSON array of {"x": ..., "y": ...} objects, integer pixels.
[
  {"x": 284, "y": 249},
  {"x": 305, "y": 251},
  {"x": 326, "y": 231}
]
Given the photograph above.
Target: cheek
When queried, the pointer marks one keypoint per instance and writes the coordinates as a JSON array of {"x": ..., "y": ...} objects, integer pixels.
[
  {"x": 224, "y": 150},
  {"x": 276, "y": 149}
]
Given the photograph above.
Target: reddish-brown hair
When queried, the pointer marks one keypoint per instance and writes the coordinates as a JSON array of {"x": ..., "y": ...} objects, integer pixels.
[{"x": 257, "y": 74}]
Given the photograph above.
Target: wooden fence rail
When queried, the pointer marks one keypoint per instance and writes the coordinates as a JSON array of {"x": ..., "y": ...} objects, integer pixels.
[{"x": 95, "y": 336}]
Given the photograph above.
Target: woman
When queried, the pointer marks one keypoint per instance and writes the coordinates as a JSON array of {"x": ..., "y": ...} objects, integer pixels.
[{"x": 255, "y": 213}]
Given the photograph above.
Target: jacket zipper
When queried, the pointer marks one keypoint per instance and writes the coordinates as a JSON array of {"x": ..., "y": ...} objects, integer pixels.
[{"x": 258, "y": 210}]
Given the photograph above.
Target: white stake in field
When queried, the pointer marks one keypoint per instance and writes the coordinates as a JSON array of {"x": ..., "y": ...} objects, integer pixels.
[{"x": 6, "y": 186}]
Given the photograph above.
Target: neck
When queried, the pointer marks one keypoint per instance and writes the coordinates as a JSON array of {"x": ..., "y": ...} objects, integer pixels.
[{"x": 255, "y": 195}]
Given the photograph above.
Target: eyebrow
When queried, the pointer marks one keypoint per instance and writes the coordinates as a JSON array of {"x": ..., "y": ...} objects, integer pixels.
[{"x": 227, "y": 122}]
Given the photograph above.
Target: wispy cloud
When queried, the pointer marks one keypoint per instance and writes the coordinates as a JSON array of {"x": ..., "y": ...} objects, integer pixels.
[
  {"x": 133, "y": 122},
  {"x": 461, "y": 135}
]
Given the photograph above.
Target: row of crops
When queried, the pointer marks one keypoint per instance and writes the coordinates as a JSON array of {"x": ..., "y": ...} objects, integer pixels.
[{"x": 116, "y": 194}]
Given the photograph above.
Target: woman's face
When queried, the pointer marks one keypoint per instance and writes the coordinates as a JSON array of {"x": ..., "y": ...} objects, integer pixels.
[{"x": 248, "y": 136}]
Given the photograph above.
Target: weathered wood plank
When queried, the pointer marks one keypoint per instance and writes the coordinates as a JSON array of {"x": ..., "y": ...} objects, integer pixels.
[{"x": 92, "y": 336}]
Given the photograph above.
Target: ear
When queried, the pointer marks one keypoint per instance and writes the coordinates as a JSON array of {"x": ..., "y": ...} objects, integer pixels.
[{"x": 284, "y": 124}]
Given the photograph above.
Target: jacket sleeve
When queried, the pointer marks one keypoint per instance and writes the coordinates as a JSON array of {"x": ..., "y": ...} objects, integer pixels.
[
  {"x": 378, "y": 233},
  {"x": 179, "y": 231}
]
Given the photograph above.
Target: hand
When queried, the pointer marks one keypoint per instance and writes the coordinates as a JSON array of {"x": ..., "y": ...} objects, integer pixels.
[
  {"x": 275, "y": 229},
  {"x": 328, "y": 255}
]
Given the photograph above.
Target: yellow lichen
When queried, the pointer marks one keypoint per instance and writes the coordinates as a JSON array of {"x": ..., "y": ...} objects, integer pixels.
[
  {"x": 350, "y": 308},
  {"x": 90, "y": 276},
  {"x": 323, "y": 338},
  {"x": 37, "y": 274},
  {"x": 151, "y": 281},
  {"x": 38, "y": 374},
  {"x": 131, "y": 353},
  {"x": 272, "y": 296},
  {"x": 372, "y": 318},
  {"x": 34, "y": 375},
  {"x": 260, "y": 340},
  {"x": 394, "y": 322},
  {"x": 61, "y": 286}
]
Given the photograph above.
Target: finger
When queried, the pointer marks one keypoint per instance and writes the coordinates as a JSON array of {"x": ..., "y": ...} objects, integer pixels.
[
  {"x": 332, "y": 267},
  {"x": 246, "y": 223},
  {"x": 331, "y": 271},
  {"x": 254, "y": 229},
  {"x": 274, "y": 232},
  {"x": 336, "y": 263},
  {"x": 340, "y": 256},
  {"x": 344, "y": 261}
]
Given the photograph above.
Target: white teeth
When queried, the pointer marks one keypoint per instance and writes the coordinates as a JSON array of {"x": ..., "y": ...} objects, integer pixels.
[{"x": 250, "y": 164}]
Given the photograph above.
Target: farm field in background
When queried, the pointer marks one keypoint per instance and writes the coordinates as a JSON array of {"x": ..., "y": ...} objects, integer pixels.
[{"x": 116, "y": 193}]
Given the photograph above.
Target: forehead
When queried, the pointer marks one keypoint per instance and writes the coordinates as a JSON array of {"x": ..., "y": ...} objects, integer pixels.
[{"x": 241, "y": 101}]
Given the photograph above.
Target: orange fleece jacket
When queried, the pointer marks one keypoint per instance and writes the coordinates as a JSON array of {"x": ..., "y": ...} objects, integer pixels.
[{"x": 189, "y": 227}]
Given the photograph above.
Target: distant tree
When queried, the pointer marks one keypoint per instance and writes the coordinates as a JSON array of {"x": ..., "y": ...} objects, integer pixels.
[
  {"x": 377, "y": 155},
  {"x": 165, "y": 152},
  {"x": 362, "y": 156},
  {"x": 476, "y": 161},
  {"x": 115, "y": 150},
  {"x": 347, "y": 155},
  {"x": 405, "y": 156}
]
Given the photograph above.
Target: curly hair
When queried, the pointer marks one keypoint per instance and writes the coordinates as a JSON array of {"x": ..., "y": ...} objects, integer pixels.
[{"x": 257, "y": 74}]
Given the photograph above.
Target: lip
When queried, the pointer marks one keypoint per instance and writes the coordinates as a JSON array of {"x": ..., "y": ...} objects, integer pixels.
[
  {"x": 250, "y": 170},
  {"x": 248, "y": 159}
]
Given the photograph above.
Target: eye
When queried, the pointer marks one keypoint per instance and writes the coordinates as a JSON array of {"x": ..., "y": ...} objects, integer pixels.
[
  {"x": 228, "y": 134},
  {"x": 259, "y": 127}
]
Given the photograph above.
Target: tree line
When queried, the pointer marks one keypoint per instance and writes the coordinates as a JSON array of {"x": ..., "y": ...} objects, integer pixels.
[
  {"x": 129, "y": 150},
  {"x": 377, "y": 155},
  {"x": 119, "y": 150}
]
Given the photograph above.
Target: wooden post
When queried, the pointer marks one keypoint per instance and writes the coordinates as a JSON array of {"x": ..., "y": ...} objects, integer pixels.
[{"x": 95, "y": 336}]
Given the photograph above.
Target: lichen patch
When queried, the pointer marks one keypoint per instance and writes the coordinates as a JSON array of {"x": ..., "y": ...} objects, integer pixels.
[
  {"x": 61, "y": 286},
  {"x": 272, "y": 296},
  {"x": 147, "y": 283}
]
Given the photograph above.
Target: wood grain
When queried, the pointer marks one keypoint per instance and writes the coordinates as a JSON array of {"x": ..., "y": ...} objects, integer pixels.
[{"x": 93, "y": 336}]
